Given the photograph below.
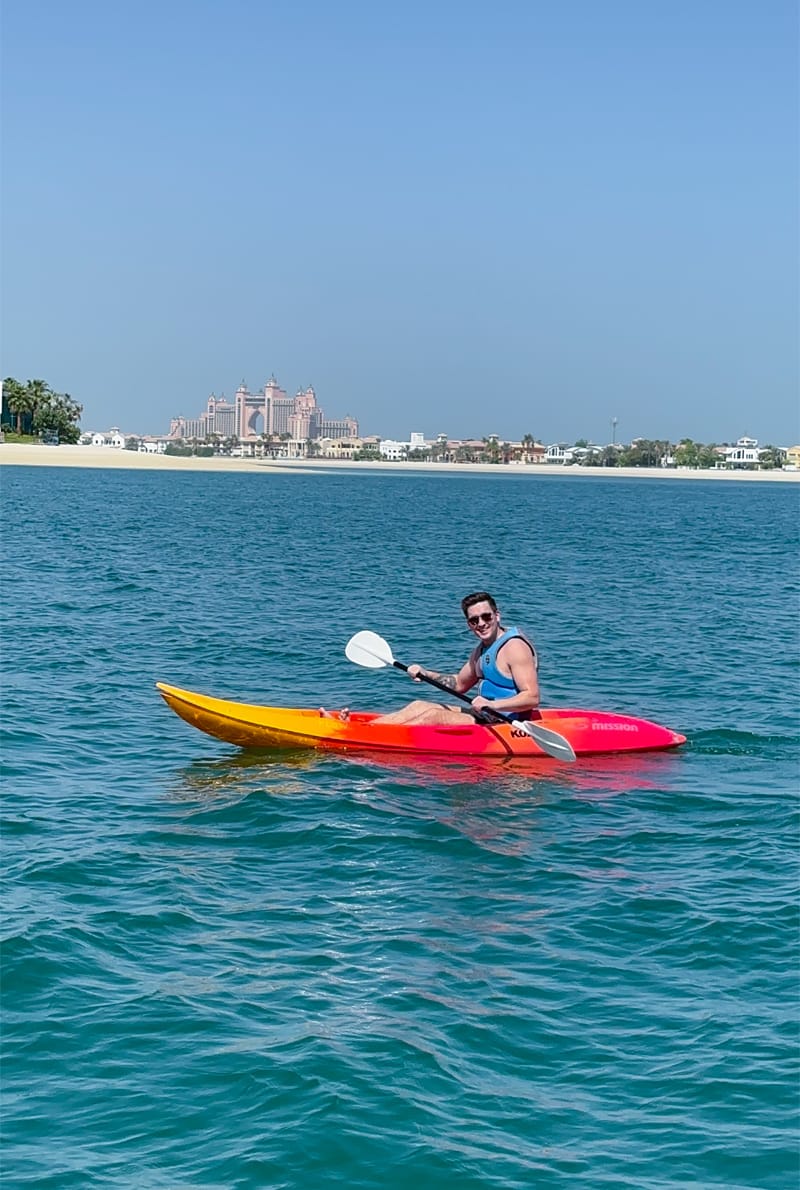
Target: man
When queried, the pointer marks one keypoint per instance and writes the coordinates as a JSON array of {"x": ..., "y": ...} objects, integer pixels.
[{"x": 503, "y": 661}]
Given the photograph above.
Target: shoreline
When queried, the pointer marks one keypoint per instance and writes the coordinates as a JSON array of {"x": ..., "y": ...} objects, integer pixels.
[{"x": 22, "y": 454}]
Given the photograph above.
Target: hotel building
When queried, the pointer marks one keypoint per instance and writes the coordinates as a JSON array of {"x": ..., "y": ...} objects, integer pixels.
[{"x": 269, "y": 411}]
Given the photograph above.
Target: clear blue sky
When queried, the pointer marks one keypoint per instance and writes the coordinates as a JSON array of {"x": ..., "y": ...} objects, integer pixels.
[{"x": 520, "y": 217}]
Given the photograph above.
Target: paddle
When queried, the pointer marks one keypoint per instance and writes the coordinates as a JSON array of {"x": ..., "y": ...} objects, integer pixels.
[{"x": 373, "y": 652}]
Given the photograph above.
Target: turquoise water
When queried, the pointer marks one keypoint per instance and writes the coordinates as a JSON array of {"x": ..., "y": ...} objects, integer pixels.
[{"x": 224, "y": 969}]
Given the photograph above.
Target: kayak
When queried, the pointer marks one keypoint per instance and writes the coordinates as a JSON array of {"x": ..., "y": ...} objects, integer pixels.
[{"x": 591, "y": 733}]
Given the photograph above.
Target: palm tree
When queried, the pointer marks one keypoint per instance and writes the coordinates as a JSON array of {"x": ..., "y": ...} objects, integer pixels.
[
  {"x": 492, "y": 449},
  {"x": 686, "y": 453},
  {"x": 40, "y": 392},
  {"x": 18, "y": 399},
  {"x": 707, "y": 456},
  {"x": 771, "y": 457}
]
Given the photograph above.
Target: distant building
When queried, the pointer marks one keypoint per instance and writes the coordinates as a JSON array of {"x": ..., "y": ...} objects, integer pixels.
[
  {"x": 278, "y": 408},
  {"x": 346, "y": 427},
  {"x": 744, "y": 454},
  {"x": 393, "y": 450},
  {"x": 559, "y": 452},
  {"x": 112, "y": 438},
  {"x": 347, "y": 447},
  {"x": 221, "y": 417},
  {"x": 269, "y": 411},
  {"x": 193, "y": 427}
]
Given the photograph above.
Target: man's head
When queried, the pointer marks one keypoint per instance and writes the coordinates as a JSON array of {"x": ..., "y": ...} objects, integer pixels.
[{"x": 480, "y": 612}]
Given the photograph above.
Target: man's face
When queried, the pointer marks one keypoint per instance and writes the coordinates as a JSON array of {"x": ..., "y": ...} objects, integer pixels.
[{"x": 483, "y": 621}]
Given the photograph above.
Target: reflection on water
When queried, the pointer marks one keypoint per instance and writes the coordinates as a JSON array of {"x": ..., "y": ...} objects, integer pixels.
[
  {"x": 238, "y": 774},
  {"x": 281, "y": 773}
]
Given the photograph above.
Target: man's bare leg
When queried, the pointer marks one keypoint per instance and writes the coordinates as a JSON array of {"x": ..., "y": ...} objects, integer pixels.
[
  {"x": 344, "y": 714},
  {"x": 421, "y": 712}
]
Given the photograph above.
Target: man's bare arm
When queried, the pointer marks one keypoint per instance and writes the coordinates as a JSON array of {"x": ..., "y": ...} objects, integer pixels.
[
  {"x": 522, "y": 664},
  {"x": 459, "y": 683}
]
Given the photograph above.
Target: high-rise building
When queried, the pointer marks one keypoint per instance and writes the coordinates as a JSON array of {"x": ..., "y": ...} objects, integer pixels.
[
  {"x": 220, "y": 417},
  {"x": 345, "y": 427},
  {"x": 269, "y": 411},
  {"x": 193, "y": 427},
  {"x": 306, "y": 415},
  {"x": 277, "y": 408},
  {"x": 251, "y": 416}
]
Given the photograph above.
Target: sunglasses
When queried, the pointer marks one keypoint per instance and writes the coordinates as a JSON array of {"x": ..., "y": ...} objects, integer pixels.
[{"x": 483, "y": 618}]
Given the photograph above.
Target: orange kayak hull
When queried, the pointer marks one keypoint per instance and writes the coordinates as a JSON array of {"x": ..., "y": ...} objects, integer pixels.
[{"x": 591, "y": 733}]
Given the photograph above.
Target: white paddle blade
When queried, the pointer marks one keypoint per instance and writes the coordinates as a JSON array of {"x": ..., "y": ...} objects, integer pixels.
[
  {"x": 549, "y": 741},
  {"x": 368, "y": 649}
]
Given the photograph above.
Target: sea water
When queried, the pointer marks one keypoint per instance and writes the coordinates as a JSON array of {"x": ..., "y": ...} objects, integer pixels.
[{"x": 231, "y": 969}]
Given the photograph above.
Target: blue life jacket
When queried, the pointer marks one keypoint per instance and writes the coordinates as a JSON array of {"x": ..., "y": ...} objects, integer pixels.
[{"x": 495, "y": 684}]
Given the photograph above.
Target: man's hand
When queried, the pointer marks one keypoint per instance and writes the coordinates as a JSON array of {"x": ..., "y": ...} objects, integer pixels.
[
  {"x": 414, "y": 671},
  {"x": 481, "y": 704}
]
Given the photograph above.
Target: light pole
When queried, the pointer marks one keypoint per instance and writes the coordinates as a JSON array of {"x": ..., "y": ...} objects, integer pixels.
[{"x": 614, "y": 421}]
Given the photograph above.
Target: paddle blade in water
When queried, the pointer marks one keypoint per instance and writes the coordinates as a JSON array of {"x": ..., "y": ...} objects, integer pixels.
[{"x": 369, "y": 649}]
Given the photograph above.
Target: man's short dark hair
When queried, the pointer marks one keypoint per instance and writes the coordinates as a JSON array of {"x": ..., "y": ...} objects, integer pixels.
[{"x": 477, "y": 597}]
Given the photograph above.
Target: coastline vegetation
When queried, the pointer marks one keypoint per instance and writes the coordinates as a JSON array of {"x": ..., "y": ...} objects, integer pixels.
[
  {"x": 39, "y": 412},
  {"x": 34, "y": 412}
]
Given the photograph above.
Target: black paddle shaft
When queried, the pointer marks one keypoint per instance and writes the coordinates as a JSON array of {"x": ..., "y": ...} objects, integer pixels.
[{"x": 482, "y": 713}]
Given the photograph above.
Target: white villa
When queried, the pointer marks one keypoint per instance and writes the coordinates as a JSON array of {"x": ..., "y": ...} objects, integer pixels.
[
  {"x": 112, "y": 438},
  {"x": 744, "y": 454},
  {"x": 559, "y": 452},
  {"x": 399, "y": 450}
]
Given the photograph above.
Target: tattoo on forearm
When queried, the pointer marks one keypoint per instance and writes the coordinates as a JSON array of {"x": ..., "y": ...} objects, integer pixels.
[{"x": 448, "y": 680}]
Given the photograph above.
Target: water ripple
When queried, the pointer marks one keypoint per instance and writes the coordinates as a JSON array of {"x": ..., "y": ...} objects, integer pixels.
[{"x": 288, "y": 970}]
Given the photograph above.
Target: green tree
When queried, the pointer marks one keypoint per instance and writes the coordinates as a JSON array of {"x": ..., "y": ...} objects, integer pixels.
[
  {"x": 55, "y": 413},
  {"x": 644, "y": 452},
  {"x": 707, "y": 456},
  {"x": 440, "y": 447},
  {"x": 528, "y": 443},
  {"x": 687, "y": 453},
  {"x": 40, "y": 395},
  {"x": 491, "y": 449},
  {"x": 771, "y": 457},
  {"x": 18, "y": 399}
]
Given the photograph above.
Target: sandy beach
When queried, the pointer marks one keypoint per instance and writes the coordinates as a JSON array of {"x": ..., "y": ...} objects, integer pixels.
[{"x": 12, "y": 453}]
